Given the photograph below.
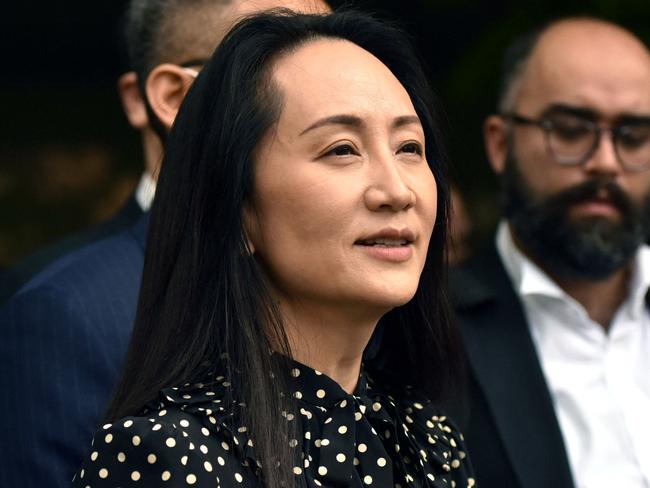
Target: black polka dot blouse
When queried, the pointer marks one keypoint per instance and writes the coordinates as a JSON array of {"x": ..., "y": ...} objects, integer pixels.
[{"x": 367, "y": 439}]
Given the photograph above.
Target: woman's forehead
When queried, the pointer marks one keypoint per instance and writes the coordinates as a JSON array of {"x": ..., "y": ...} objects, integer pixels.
[{"x": 333, "y": 76}]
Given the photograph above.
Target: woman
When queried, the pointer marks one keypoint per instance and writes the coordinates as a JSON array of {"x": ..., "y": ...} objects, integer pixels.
[{"x": 294, "y": 215}]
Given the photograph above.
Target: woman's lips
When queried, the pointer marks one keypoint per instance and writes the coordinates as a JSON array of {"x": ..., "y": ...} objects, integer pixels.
[
  {"x": 390, "y": 244},
  {"x": 395, "y": 254}
]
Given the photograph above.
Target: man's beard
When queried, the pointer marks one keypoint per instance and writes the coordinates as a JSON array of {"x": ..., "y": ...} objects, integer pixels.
[{"x": 587, "y": 248}]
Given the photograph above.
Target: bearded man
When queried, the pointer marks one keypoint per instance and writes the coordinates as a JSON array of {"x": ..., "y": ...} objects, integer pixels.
[{"x": 554, "y": 316}]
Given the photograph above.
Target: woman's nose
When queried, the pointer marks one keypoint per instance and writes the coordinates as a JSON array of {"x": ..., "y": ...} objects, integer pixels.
[{"x": 387, "y": 188}]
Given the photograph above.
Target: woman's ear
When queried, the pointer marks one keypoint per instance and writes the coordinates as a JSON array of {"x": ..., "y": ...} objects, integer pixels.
[
  {"x": 166, "y": 87},
  {"x": 495, "y": 135},
  {"x": 132, "y": 101}
]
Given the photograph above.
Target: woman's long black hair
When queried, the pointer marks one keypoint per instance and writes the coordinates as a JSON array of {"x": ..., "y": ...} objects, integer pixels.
[{"x": 202, "y": 292}]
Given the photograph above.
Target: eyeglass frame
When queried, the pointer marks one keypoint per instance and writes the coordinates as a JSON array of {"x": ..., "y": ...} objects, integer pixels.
[{"x": 546, "y": 125}]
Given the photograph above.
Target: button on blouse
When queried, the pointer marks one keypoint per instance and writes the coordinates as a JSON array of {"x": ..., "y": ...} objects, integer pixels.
[{"x": 191, "y": 437}]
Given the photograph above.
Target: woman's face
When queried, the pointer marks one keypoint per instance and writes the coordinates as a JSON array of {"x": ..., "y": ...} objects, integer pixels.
[{"x": 344, "y": 201}]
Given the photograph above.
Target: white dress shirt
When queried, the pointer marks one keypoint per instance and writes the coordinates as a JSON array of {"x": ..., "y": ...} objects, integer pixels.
[
  {"x": 145, "y": 191},
  {"x": 599, "y": 381}
]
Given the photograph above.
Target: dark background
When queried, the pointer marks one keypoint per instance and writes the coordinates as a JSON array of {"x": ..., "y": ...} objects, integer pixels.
[{"x": 68, "y": 157}]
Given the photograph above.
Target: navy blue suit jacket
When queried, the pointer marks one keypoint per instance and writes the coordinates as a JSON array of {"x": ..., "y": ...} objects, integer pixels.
[
  {"x": 15, "y": 277},
  {"x": 62, "y": 341}
]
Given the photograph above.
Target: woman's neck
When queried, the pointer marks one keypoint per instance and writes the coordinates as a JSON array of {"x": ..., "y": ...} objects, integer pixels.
[{"x": 329, "y": 340}]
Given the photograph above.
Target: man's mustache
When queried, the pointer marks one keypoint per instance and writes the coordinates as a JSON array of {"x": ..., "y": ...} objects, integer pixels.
[{"x": 594, "y": 190}]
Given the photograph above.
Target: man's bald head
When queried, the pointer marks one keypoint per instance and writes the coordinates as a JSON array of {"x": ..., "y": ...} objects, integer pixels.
[{"x": 562, "y": 43}]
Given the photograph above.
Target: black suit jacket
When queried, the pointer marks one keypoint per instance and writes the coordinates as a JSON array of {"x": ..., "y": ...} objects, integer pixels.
[
  {"x": 15, "y": 277},
  {"x": 507, "y": 416}
]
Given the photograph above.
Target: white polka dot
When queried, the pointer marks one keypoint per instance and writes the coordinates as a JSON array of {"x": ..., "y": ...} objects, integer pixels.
[
  {"x": 239, "y": 477},
  {"x": 297, "y": 470},
  {"x": 418, "y": 406},
  {"x": 162, "y": 413},
  {"x": 295, "y": 372},
  {"x": 135, "y": 476},
  {"x": 307, "y": 435},
  {"x": 225, "y": 446},
  {"x": 317, "y": 483},
  {"x": 376, "y": 406},
  {"x": 171, "y": 442},
  {"x": 156, "y": 427},
  {"x": 343, "y": 429},
  {"x": 320, "y": 393},
  {"x": 340, "y": 457},
  {"x": 166, "y": 475},
  {"x": 108, "y": 438},
  {"x": 298, "y": 395},
  {"x": 204, "y": 449},
  {"x": 355, "y": 461},
  {"x": 325, "y": 442},
  {"x": 190, "y": 479},
  {"x": 136, "y": 440},
  {"x": 293, "y": 443},
  {"x": 184, "y": 423},
  {"x": 367, "y": 480},
  {"x": 121, "y": 457},
  {"x": 103, "y": 473},
  {"x": 128, "y": 423},
  {"x": 82, "y": 473},
  {"x": 362, "y": 448},
  {"x": 221, "y": 461},
  {"x": 357, "y": 416},
  {"x": 322, "y": 470},
  {"x": 207, "y": 466},
  {"x": 381, "y": 462},
  {"x": 328, "y": 420},
  {"x": 317, "y": 442},
  {"x": 107, "y": 426},
  {"x": 151, "y": 458},
  {"x": 205, "y": 431},
  {"x": 184, "y": 460},
  {"x": 94, "y": 456}
]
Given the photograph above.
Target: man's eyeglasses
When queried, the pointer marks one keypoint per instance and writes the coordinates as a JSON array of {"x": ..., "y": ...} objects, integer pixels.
[{"x": 572, "y": 139}]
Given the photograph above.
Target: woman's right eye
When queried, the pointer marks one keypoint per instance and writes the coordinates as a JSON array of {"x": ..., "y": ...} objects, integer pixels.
[{"x": 341, "y": 150}]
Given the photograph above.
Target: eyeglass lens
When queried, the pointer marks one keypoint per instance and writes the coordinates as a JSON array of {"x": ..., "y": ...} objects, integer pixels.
[{"x": 571, "y": 139}]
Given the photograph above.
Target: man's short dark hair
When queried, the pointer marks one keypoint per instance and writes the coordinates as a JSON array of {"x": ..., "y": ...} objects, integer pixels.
[
  {"x": 156, "y": 32},
  {"x": 514, "y": 63}
]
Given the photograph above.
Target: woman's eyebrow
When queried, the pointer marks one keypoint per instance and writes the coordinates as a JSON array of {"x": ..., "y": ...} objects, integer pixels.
[
  {"x": 356, "y": 122},
  {"x": 406, "y": 120},
  {"x": 341, "y": 119}
]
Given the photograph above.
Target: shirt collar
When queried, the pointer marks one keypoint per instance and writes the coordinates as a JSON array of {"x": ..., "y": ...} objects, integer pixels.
[
  {"x": 527, "y": 278},
  {"x": 145, "y": 191}
]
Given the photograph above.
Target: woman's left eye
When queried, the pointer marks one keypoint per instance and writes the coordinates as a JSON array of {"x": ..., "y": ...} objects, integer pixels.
[{"x": 412, "y": 148}]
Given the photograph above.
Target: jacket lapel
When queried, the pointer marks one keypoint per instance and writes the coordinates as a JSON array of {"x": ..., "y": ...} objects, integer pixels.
[{"x": 504, "y": 362}]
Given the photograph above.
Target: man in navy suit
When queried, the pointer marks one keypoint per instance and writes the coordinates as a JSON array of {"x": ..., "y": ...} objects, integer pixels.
[
  {"x": 65, "y": 332},
  {"x": 553, "y": 316}
]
